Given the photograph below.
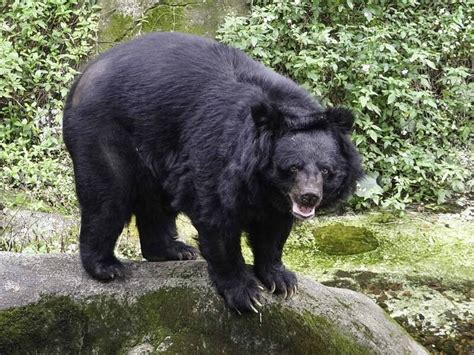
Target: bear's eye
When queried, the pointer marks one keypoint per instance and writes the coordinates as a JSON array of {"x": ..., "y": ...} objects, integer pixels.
[
  {"x": 294, "y": 169},
  {"x": 324, "y": 171}
]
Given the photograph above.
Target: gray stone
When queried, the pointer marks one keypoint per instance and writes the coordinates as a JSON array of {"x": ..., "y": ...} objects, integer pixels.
[
  {"x": 123, "y": 19},
  {"x": 48, "y": 304},
  {"x": 20, "y": 229}
]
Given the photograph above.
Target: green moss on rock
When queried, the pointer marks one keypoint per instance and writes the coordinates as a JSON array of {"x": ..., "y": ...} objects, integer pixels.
[
  {"x": 163, "y": 18},
  {"x": 200, "y": 18},
  {"x": 340, "y": 239},
  {"x": 115, "y": 28},
  {"x": 317, "y": 335},
  {"x": 383, "y": 217},
  {"x": 51, "y": 325},
  {"x": 175, "y": 320},
  {"x": 122, "y": 21}
]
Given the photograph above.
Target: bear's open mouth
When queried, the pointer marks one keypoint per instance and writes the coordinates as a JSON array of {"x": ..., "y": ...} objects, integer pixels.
[{"x": 302, "y": 212}]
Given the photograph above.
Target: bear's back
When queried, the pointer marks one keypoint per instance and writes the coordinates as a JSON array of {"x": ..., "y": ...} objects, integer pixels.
[{"x": 174, "y": 62}]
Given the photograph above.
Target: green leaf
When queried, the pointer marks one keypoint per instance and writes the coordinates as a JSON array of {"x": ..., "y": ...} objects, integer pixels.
[
  {"x": 391, "y": 98},
  {"x": 425, "y": 83},
  {"x": 431, "y": 64},
  {"x": 373, "y": 135},
  {"x": 363, "y": 101},
  {"x": 373, "y": 108},
  {"x": 367, "y": 14},
  {"x": 368, "y": 187},
  {"x": 390, "y": 48}
]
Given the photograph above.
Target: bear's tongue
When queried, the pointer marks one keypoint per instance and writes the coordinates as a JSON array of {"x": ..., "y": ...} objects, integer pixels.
[{"x": 302, "y": 211}]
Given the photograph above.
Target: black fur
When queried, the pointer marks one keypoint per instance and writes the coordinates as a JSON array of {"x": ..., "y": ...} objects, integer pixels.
[{"x": 171, "y": 123}]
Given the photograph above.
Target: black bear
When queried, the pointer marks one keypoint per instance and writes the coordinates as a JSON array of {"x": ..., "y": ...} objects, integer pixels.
[{"x": 171, "y": 123}]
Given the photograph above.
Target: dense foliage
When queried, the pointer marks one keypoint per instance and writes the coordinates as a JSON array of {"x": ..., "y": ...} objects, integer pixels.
[
  {"x": 41, "y": 44},
  {"x": 403, "y": 66}
]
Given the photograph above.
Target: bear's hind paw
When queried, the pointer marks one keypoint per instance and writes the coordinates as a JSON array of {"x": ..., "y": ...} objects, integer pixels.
[
  {"x": 105, "y": 270},
  {"x": 175, "y": 251}
]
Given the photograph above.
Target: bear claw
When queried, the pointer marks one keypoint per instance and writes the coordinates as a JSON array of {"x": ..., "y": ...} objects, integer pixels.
[
  {"x": 255, "y": 301},
  {"x": 241, "y": 294},
  {"x": 253, "y": 308},
  {"x": 107, "y": 271},
  {"x": 278, "y": 280},
  {"x": 273, "y": 288}
]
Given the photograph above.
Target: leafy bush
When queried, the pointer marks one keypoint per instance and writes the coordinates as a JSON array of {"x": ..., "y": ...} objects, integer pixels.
[
  {"x": 41, "y": 44},
  {"x": 403, "y": 66}
]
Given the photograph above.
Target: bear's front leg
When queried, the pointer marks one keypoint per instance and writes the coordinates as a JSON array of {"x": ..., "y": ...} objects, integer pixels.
[
  {"x": 267, "y": 238},
  {"x": 234, "y": 282}
]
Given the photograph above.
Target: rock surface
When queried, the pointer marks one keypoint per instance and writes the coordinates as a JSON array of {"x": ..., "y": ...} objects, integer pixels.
[
  {"x": 122, "y": 19},
  {"x": 421, "y": 272},
  {"x": 26, "y": 230},
  {"x": 48, "y": 305}
]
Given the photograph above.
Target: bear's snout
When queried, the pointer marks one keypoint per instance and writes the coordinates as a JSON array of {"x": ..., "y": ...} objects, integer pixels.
[
  {"x": 310, "y": 199},
  {"x": 305, "y": 202},
  {"x": 306, "y": 194}
]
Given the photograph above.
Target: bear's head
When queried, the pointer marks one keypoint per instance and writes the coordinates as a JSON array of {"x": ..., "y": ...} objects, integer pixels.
[{"x": 313, "y": 164}]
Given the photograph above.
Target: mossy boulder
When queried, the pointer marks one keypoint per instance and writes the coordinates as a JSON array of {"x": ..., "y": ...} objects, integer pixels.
[
  {"x": 48, "y": 305},
  {"x": 341, "y": 239},
  {"x": 121, "y": 20},
  {"x": 421, "y": 273}
]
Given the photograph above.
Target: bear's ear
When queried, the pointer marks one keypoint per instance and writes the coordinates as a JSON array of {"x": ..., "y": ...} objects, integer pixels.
[
  {"x": 341, "y": 118},
  {"x": 265, "y": 115},
  {"x": 305, "y": 120}
]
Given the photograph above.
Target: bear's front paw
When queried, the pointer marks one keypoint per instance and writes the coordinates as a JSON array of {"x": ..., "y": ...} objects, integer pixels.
[
  {"x": 241, "y": 294},
  {"x": 278, "y": 279}
]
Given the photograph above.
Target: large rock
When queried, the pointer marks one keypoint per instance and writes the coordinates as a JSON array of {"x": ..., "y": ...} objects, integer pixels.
[
  {"x": 49, "y": 305},
  {"x": 31, "y": 231},
  {"x": 122, "y": 19}
]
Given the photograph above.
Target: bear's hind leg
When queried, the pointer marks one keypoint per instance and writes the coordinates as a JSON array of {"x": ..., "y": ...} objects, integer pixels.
[
  {"x": 105, "y": 199},
  {"x": 158, "y": 234},
  {"x": 104, "y": 168},
  {"x": 99, "y": 232}
]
